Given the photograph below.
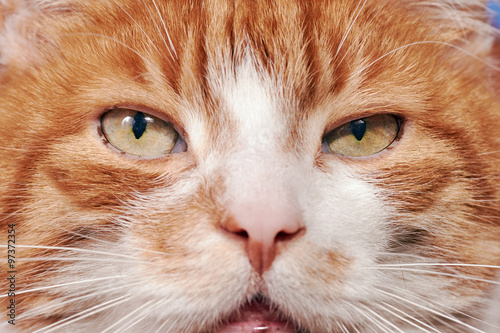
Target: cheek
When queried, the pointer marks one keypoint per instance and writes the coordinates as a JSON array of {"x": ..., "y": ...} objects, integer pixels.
[
  {"x": 345, "y": 218},
  {"x": 181, "y": 253},
  {"x": 176, "y": 225},
  {"x": 343, "y": 210},
  {"x": 95, "y": 177},
  {"x": 346, "y": 232}
]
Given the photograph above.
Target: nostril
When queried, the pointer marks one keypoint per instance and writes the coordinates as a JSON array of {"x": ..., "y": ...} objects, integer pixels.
[
  {"x": 283, "y": 236},
  {"x": 230, "y": 226},
  {"x": 262, "y": 233},
  {"x": 241, "y": 234},
  {"x": 258, "y": 231}
]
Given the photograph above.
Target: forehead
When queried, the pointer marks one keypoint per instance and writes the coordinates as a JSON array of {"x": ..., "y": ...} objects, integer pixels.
[
  {"x": 270, "y": 65},
  {"x": 313, "y": 47}
]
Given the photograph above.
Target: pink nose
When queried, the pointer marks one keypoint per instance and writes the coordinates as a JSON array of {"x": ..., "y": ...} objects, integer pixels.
[{"x": 262, "y": 229}]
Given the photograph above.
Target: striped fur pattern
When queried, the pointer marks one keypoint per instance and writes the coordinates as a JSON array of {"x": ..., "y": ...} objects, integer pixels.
[{"x": 406, "y": 240}]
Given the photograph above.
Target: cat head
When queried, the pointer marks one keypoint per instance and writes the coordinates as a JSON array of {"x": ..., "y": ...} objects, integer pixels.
[{"x": 202, "y": 166}]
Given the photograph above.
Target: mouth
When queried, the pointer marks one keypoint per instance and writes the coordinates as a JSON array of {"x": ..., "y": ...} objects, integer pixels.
[{"x": 257, "y": 317}]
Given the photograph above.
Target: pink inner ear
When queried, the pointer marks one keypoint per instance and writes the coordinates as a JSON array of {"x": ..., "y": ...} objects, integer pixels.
[{"x": 23, "y": 40}]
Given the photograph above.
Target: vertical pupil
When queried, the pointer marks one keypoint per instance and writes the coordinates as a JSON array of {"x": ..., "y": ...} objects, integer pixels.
[
  {"x": 140, "y": 124},
  {"x": 358, "y": 128}
]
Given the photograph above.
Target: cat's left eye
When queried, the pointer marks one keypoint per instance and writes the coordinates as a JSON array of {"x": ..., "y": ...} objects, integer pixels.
[
  {"x": 138, "y": 133},
  {"x": 363, "y": 137}
]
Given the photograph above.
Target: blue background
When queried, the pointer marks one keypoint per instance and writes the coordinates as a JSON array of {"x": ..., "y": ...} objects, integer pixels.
[{"x": 496, "y": 16}]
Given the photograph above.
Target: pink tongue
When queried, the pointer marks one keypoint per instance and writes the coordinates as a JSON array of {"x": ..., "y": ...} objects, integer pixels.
[
  {"x": 256, "y": 327},
  {"x": 254, "y": 318}
]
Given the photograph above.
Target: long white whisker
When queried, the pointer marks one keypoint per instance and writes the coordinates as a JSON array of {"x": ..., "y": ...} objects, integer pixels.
[
  {"x": 450, "y": 318},
  {"x": 373, "y": 320},
  {"x": 166, "y": 31},
  {"x": 383, "y": 319},
  {"x": 436, "y": 264},
  {"x": 427, "y": 42},
  {"x": 64, "y": 248},
  {"x": 490, "y": 152},
  {"x": 159, "y": 330},
  {"x": 142, "y": 30},
  {"x": 141, "y": 318},
  {"x": 386, "y": 308},
  {"x": 450, "y": 326},
  {"x": 73, "y": 299},
  {"x": 111, "y": 243},
  {"x": 344, "y": 37},
  {"x": 356, "y": 329},
  {"x": 65, "y": 284},
  {"x": 441, "y": 305},
  {"x": 343, "y": 328},
  {"x": 30, "y": 259},
  {"x": 84, "y": 314},
  {"x": 460, "y": 276},
  {"x": 126, "y": 318},
  {"x": 158, "y": 28},
  {"x": 155, "y": 306}
]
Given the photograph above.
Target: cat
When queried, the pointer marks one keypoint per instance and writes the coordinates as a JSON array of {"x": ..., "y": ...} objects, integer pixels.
[{"x": 249, "y": 166}]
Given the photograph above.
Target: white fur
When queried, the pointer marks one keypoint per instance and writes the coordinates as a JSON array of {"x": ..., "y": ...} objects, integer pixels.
[{"x": 344, "y": 215}]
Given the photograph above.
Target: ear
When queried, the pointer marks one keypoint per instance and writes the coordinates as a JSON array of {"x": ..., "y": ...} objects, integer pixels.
[
  {"x": 465, "y": 24},
  {"x": 23, "y": 39},
  {"x": 14, "y": 31}
]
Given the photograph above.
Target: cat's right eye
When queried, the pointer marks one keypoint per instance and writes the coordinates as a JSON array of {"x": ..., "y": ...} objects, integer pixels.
[
  {"x": 363, "y": 137},
  {"x": 137, "y": 133}
]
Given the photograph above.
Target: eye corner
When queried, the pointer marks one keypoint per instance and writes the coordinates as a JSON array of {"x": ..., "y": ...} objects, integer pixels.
[{"x": 402, "y": 122}]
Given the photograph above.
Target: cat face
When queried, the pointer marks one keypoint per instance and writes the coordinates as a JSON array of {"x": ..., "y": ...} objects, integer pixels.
[{"x": 329, "y": 166}]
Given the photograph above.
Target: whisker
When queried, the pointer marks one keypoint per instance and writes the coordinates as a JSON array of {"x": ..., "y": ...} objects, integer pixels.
[
  {"x": 124, "y": 320},
  {"x": 422, "y": 43},
  {"x": 426, "y": 308},
  {"x": 386, "y": 308},
  {"x": 158, "y": 28},
  {"x": 162, "y": 326},
  {"x": 64, "y": 248},
  {"x": 73, "y": 299},
  {"x": 141, "y": 318},
  {"x": 437, "y": 264},
  {"x": 383, "y": 319},
  {"x": 65, "y": 284},
  {"x": 450, "y": 326},
  {"x": 84, "y": 314},
  {"x": 441, "y": 305},
  {"x": 372, "y": 320},
  {"x": 166, "y": 30},
  {"x": 490, "y": 152},
  {"x": 343, "y": 328},
  {"x": 112, "y": 243},
  {"x": 344, "y": 37},
  {"x": 438, "y": 273},
  {"x": 30, "y": 259},
  {"x": 362, "y": 33},
  {"x": 142, "y": 30}
]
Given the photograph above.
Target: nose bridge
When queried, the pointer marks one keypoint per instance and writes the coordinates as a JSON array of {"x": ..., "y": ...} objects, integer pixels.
[
  {"x": 265, "y": 219},
  {"x": 259, "y": 178},
  {"x": 262, "y": 207},
  {"x": 259, "y": 185}
]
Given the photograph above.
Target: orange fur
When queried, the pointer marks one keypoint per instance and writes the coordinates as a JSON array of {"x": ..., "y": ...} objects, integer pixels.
[{"x": 64, "y": 63}]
